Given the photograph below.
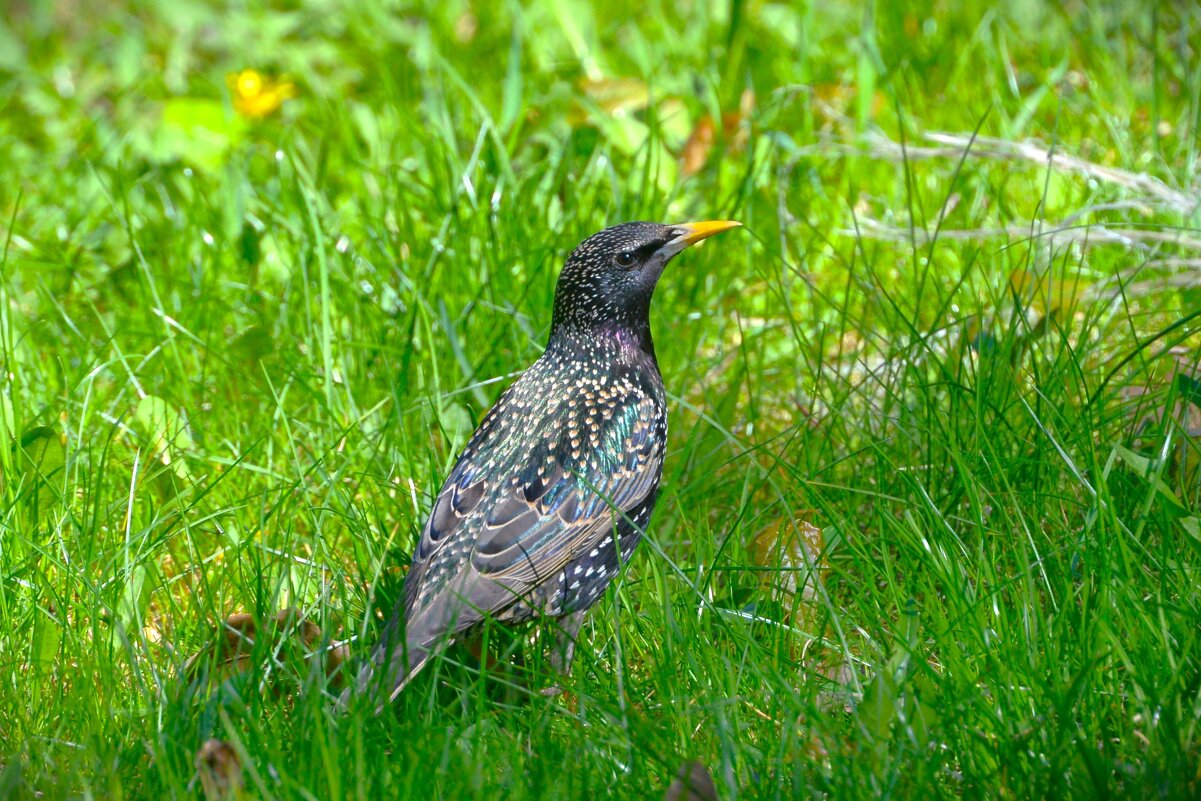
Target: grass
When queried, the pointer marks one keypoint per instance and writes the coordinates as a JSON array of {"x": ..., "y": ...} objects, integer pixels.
[{"x": 240, "y": 353}]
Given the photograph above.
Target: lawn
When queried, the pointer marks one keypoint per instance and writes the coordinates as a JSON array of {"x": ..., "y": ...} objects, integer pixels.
[{"x": 929, "y": 524}]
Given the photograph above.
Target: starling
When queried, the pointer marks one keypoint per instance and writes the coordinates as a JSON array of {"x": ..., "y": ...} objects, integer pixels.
[{"x": 555, "y": 487}]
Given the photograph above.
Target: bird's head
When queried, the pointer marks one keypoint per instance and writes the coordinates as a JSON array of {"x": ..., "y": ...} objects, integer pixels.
[{"x": 609, "y": 278}]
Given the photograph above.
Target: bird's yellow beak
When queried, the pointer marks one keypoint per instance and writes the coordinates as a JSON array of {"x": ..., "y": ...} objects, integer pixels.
[{"x": 695, "y": 232}]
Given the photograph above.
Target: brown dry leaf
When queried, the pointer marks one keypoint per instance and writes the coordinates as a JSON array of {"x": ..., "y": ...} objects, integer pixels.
[
  {"x": 732, "y": 122},
  {"x": 235, "y": 639},
  {"x": 696, "y": 150},
  {"x": 693, "y": 783},
  {"x": 231, "y": 651},
  {"x": 791, "y": 553},
  {"x": 219, "y": 770},
  {"x": 334, "y": 659}
]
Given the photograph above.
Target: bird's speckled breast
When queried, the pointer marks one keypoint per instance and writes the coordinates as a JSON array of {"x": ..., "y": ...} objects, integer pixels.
[{"x": 624, "y": 379}]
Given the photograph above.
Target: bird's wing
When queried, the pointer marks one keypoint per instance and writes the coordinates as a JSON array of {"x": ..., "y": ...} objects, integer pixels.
[
  {"x": 492, "y": 538},
  {"x": 548, "y": 517}
]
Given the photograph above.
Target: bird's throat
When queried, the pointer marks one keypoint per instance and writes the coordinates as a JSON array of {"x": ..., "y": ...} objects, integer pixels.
[
  {"x": 627, "y": 342},
  {"x": 632, "y": 339}
]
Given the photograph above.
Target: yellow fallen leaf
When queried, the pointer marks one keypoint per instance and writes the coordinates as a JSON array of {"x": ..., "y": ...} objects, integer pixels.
[
  {"x": 790, "y": 553},
  {"x": 613, "y": 97},
  {"x": 616, "y": 95},
  {"x": 1047, "y": 294}
]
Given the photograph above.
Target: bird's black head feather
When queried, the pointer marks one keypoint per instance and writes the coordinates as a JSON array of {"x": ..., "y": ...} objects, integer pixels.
[{"x": 608, "y": 280}]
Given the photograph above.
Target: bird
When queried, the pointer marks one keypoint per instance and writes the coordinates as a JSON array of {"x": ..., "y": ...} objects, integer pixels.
[{"x": 555, "y": 487}]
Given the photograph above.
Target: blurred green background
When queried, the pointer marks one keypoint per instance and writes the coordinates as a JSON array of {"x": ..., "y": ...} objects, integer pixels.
[{"x": 929, "y": 524}]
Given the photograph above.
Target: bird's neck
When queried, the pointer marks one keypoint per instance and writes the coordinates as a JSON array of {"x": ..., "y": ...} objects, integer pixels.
[{"x": 622, "y": 339}]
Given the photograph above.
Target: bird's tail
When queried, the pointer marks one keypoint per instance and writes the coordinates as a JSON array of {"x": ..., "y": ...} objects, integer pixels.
[
  {"x": 401, "y": 655},
  {"x": 393, "y": 664}
]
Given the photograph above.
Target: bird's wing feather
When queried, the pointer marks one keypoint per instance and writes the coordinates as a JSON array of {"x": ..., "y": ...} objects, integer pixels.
[
  {"x": 461, "y": 494},
  {"x": 549, "y": 517},
  {"x": 527, "y": 524}
]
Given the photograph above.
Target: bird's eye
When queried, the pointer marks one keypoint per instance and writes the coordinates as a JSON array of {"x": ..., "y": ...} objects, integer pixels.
[{"x": 625, "y": 258}]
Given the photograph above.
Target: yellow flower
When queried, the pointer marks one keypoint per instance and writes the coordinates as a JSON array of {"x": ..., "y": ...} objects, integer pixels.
[{"x": 255, "y": 95}]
